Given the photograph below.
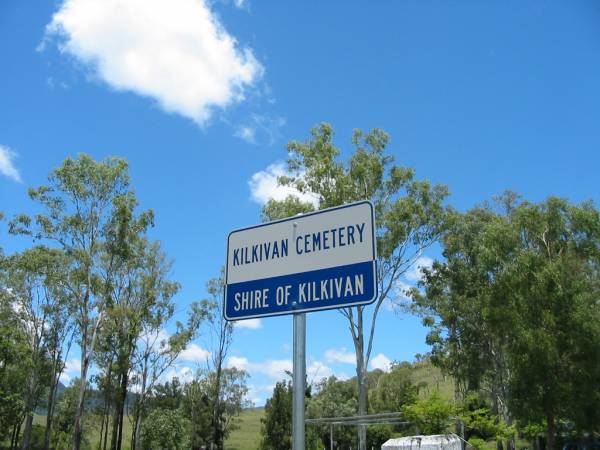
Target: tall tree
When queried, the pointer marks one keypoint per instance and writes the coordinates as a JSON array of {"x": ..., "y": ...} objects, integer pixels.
[
  {"x": 276, "y": 429},
  {"x": 81, "y": 200},
  {"x": 409, "y": 217},
  {"x": 516, "y": 302},
  {"x": 222, "y": 335},
  {"x": 463, "y": 306},
  {"x": 199, "y": 404},
  {"x": 14, "y": 366},
  {"x": 155, "y": 352},
  {"x": 139, "y": 281},
  {"x": 42, "y": 306}
]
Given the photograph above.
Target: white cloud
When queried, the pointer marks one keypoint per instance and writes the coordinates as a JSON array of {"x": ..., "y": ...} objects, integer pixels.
[
  {"x": 316, "y": 370},
  {"x": 73, "y": 365},
  {"x": 246, "y": 133},
  {"x": 342, "y": 376},
  {"x": 340, "y": 356},
  {"x": 7, "y": 166},
  {"x": 272, "y": 368},
  {"x": 240, "y": 4},
  {"x": 251, "y": 324},
  {"x": 194, "y": 353},
  {"x": 263, "y": 186},
  {"x": 260, "y": 129},
  {"x": 402, "y": 288},
  {"x": 176, "y": 52},
  {"x": 416, "y": 271},
  {"x": 184, "y": 374},
  {"x": 275, "y": 369},
  {"x": 72, "y": 370},
  {"x": 239, "y": 362},
  {"x": 381, "y": 362},
  {"x": 258, "y": 394}
]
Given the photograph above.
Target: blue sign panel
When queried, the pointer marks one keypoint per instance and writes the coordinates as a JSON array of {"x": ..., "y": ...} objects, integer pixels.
[{"x": 316, "y": 261}]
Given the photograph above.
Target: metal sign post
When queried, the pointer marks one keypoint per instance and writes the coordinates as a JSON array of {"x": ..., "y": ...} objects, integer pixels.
[{"x": 299, "y": 382}]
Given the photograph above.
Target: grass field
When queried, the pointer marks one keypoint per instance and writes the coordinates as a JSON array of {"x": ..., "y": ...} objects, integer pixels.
[
  {"x": 247, "y": 437},
  {"x": 432, "y": 376}
]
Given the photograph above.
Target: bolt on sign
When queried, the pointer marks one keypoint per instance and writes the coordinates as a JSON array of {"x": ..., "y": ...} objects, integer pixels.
[{"x": 315, "y": 261}]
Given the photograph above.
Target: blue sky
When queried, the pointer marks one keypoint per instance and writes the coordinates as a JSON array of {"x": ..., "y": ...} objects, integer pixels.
[{"x": 201, "y": 97}]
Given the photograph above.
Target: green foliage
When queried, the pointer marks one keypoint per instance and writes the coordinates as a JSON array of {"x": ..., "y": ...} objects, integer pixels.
[
  {"x": 37, "y": 437},
  {"x": 394, "y": 389},
  {"x": 334, "y": 398},
  {"x": 62, "y": 432},
  {"x": 164, "y": 429},
  {"x": 377, "y": 435},
  {"x": 276, "y": 428},
  {"x": 89, "y": 213},
  {"x": 481, "y": 424},
  {"x": 479, "y": 444},
  {"x": 514, "y": 309},
  {"x": 14, "y": 366},
  {"x": 198, "y": 405},
  {"x": 432, "y": 415},
  {"x": 288, "y": 207},
  {"x": 168, "y": 395},
  {"x": 409, "y": 214},
  {"x": 196, "y": 408}
]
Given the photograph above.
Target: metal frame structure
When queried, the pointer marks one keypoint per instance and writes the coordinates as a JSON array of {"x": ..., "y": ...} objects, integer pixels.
[{"x": 369, "y": 419}]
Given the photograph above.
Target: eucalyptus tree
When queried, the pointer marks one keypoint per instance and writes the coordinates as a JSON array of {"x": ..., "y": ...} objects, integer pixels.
[
  {"x": 14, "y": 367},
  {"x": 134, "y": 271},
  {"x": 221, "y": 333},
  {"x": 514, "y": 308},
  {"x": 38, "y": 297},
  {"x": 156, "y": 351},
  {"x": 463, "y": 306},
  {"x": 555, "y": 286},
  {"x": 409, "y": 214},
  {"x": 198, "y": 404},
  {"x": 79, "y": 203}
]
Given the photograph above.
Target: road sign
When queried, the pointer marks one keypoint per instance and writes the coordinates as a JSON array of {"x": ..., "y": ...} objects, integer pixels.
[{"x": 315, "y": 261}]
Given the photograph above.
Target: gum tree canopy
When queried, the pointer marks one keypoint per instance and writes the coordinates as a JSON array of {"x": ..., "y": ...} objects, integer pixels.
[
  {"x": 409, "y": 214},
  {"x": 514, "y": 310}
]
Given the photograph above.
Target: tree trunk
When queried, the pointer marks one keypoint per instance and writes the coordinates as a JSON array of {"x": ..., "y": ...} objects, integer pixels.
[
  {"x": 362, "y": 407},
  {"x": 361, "y": 368},
  {"x": 124, "y": 380},
  {"x": 550, "y": 432},
  {"x": 18, "y": 426},
  {"x": 119, "y": 408},
  {"x": 86, "y": 354},
  {"x": 30, "y": 409},
  {"x": 14, "y": 439},
  {"x": 140, "y": 416},
  {"x": 27, "y": 431},
  {"x": 216, "y": 422},
  {"x": 56, "y": 372},
  {"x": 106, "y": 427},
  {"x": 115, "y": 427},
  {"x": 50, "y": 412},
  {"x": 80, "y": 401},
  {"x": 138, "y": 428}
]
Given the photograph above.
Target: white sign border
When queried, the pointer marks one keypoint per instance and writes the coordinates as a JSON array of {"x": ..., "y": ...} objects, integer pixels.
[{"x": 321, "y": 308}]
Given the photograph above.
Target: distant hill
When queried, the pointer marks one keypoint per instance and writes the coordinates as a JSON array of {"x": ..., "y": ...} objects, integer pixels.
[
  {"x": 247, "y": 437},
  {"x": 426, "y": 372}
]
